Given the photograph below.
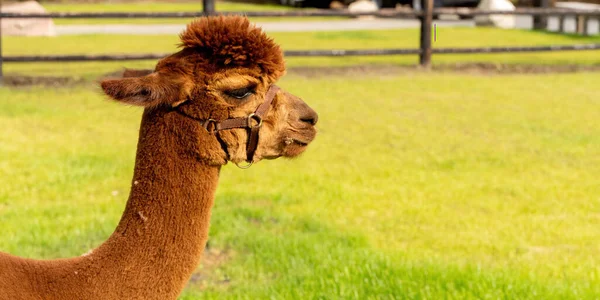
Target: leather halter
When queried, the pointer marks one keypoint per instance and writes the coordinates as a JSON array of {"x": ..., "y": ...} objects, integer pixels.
[{"x": 253, "y": 122}]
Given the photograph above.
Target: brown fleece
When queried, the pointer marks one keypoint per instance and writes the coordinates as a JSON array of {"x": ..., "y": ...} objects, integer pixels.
[
  {"x": 159, "y": 240},
  {"x": 239, "y": 45},
  {"x": 162, "y": 233}
]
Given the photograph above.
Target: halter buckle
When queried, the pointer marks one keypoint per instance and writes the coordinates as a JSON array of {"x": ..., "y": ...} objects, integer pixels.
[
  {"x": 244, "y": 167},
  {"x": 256, "y": 118},
  {"x": 215, "y": 127}
]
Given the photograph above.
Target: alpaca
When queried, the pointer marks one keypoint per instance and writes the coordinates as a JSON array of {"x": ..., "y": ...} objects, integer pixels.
[{"x": 211, "y": 103}]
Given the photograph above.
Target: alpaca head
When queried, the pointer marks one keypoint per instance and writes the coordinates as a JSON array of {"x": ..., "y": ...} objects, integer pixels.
[{"x": 223, "y": 71}]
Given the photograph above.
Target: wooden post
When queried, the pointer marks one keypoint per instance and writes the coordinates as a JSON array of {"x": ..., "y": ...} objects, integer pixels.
[
  {"x": 208, "y": 6},
  {"x": 580, "y": 24},
  {"x": 425, "y": 45},
  {"x": 541, "y": 22},
  {"x": 587, "y": 29},
  {"x": 1, "y": 71},
  {"x": 561, "y": 23}
]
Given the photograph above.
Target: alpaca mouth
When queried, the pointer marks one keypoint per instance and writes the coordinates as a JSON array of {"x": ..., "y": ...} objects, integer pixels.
[
  {"x": 300, "y": 143},
  {"x": 296, "y": 146}
]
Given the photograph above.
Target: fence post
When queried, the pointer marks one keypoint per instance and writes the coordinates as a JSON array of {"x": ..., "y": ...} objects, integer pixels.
[
  {"x": 208, "y": 7},
  {"x": 541, "y": 22},
  {"x": 1, "y": 71},
  {"x": 580, "y": 25},
  {"x": 587, "y": 29},
  {"x": 425, "y": 44},
  {"x": 561, "y": 23}
]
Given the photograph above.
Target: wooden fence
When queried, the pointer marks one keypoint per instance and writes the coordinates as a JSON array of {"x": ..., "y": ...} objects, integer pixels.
[{"x": 424, "y": 51}]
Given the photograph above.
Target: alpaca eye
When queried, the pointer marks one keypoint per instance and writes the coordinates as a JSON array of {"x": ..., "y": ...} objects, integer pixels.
[
  {"x": 240, "y": 93},
  {"x": 144, "y": 92}
]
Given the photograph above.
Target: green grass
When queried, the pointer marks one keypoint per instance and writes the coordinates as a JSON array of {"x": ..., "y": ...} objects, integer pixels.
[
  {"x": 177, "y": 6},
  {"x": 420, "y": 186},
  {"x": 405, "y": 38}
]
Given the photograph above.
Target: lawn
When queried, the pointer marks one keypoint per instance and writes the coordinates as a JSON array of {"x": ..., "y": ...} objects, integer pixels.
[
  {"x": 166, "y": 6},
  {"x": 401, "y": 38},
  {"x": 424, "y": 185},
  {"x": 419, "y": 186}
]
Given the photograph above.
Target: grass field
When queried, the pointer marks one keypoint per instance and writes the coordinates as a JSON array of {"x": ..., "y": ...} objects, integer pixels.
[
  {"x": 405, "y": 38},
  {"x": 432, "y": 186},
  {"x": 420, "y": 185}
]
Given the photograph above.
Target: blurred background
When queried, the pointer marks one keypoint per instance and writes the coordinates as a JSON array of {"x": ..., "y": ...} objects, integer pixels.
[{"x": 456, "y": 159}]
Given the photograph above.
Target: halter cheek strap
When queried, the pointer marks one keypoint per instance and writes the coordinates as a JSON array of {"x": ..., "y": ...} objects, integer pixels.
[{"x": 253, "y": 122}]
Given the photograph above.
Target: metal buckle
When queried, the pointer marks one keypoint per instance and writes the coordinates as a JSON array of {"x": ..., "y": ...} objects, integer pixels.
[
  {"x": 207, "y": 123},
  {"x": 244, "y": 167},
  {"x": 256, "y": 118}
]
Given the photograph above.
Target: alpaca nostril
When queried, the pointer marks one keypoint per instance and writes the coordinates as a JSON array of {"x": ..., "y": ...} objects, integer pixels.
[
  {"x": 310, "y": 121},
  {"x": 310, "y": 118}
]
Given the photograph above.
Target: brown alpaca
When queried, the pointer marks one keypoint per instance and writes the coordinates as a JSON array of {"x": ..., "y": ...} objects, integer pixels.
[{"x": 224, "y": 71}]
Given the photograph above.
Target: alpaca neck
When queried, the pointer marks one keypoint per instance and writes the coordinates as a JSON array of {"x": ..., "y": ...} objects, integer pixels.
[{"x": 164, "y": 228}]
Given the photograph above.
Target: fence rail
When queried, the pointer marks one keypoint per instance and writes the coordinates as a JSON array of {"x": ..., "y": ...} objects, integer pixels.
[
  {"x": 424, "y": 51},
  {"x": 311, "y": 53}
]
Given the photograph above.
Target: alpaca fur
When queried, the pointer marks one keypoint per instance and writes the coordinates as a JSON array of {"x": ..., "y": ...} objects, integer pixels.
[
  {"x": 160, "y": 238},
  {"x": 238, "y": 45}
]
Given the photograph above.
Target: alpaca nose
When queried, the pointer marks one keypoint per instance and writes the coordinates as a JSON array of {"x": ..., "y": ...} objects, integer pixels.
[{"x": 309, "y": 116}]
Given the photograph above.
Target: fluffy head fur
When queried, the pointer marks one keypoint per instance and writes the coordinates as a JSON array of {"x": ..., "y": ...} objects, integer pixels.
[{"x": 229, "y": 42}]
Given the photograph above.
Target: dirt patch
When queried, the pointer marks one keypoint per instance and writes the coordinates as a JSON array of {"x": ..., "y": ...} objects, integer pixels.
[
  {"x": 207, "y": 275},
  {"x": 114, "y": 74},
  {"x": 350, "y": 71},
  {"x": 45, "y": 81},
  {"x": 55, "y": 81},
  {"x": 468, "y": 68}
]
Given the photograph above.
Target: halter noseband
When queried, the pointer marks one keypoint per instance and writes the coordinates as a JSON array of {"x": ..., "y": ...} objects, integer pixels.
[{"x": 253, "y": 122}]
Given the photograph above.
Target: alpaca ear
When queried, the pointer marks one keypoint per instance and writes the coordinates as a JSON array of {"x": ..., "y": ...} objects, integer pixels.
[{"x": 147, "y": 91}]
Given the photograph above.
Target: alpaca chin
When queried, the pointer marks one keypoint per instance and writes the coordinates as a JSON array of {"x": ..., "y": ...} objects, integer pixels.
[{"x": 294, "y": 149}]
